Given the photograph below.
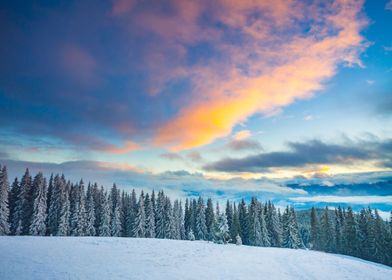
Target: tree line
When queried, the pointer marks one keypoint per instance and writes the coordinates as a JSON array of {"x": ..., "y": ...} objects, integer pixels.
[{"x": 58, "y": 207}]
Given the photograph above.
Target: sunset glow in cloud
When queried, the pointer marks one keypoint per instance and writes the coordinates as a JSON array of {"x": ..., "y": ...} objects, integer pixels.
[{"x": 203, "y": 94}]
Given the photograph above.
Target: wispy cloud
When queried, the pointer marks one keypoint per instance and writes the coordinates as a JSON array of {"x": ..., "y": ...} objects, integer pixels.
[
  {"x": 171, "y": 156},
  {"x": 369, "y": 199},
  {"x": 228, "y": 91}
]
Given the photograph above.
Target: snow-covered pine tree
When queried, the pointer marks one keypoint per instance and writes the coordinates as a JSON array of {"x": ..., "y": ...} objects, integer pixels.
[
  {"x": 133, "y": 208},
  {"x": 221, "y": 229},
  {"x": 150, "y": 217},
  {"x": 17, "y": 211},
  {"x": 314, "y": 230},
  {"x": 63, "y": 223},
  {"x": 181, "y": 220},
  {"x": 104, "y": 228},
  {"x": 159, "y": 216},
  {"x": 243, "y": 218},
  {"x": 210, "y": 217},
  {"x": 350, "y": 233},
  {"x": 97, "y": 197},
  {"x": 125, "y": 212},
  {"x": 291, "y": 237},
  {"x": 201, "y": 228},
  {"x": 169, "y": 219},
  {"x": 115, "y": 216},
  {"x": 38, "y": 223},
  {"x": 273, "y": 225},
  {"x": 254, "y": 224},
  {"x": 176, "y": 220},
  {"x": 339, "y": 225},
  {"x": 81, "y": 226},
  {"x": 90, "y": 212},
  {"x": 55, "y": 204},
  {"x": 13, "y": 200},
  {"x": 140, "y": 219},
  {"x": 235, "y": 225},
  {"x": 265, "y": 236},
  {"x": 326, "y": 236},
  {"x": 4, "y": 207},
  {"x": 229, "y": 216},
  {"x": 27, "y": 201}
]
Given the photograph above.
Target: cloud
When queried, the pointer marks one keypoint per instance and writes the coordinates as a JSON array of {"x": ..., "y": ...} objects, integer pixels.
[
  {"x": 228, "y": 91},
  {"x": 178, "y": 74},
  {"x": 242, "y": 135},
  {"x": 171, "y": 156},
  {"x": 369, "y": 199},
  {"x": 388, "y": 6},
  {"x": 127, "y": 148},
  {"x": 245, "y": 144},
  {"x": 310, "y": 152},
  {"x": 194, "y": 156}
]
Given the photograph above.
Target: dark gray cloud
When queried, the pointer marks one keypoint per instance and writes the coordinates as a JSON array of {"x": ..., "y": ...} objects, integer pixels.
[
  {"x": 310, "y": 152},
  {"x": 244, "y": 144}
]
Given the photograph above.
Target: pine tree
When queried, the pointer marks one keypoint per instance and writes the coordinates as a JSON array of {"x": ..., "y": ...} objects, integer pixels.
[
  {"x": 150, "y": 217},
  {"x": 265, "y": 236},
  {"x": 291, "y": 238},
  {"x": 273, "y": 225},
  {"x": 38, "y": 224},
  {"x": 55, "y": 204},
  {"x": 4, "y": 210},
  {"x": 339, "y": 223},
  {"x": 140, "y": 219},
  {"x": 235, "y": 225},
  {"x": 27, "y": 202},
  {"x": 115, "y": 216},
  {"x": 243, "y": 219},
  {"x": 159, "y": 215},
  {"x": 210, "y": 217},
  {"x": 221, "y": 229},
  {"x": 14, "y": 214},
  {"x": 168, "y": 219},
  {"x": 81, "y": 224},
  {"x": 104, "y": 228},
  {"x": 314, "y": 230},
  {"x": 64, "y": 216},
  {"x": 350, "y": 234},
  {"x": 254, "y": 224},
  {"x": 326, "y": 235},
  {"x": 201, "y": 228},
  {"x": 90, "y": 209}
]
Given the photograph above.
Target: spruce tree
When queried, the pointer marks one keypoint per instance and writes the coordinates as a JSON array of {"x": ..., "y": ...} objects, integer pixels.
[
  {"x": 140, "y": 219},
  {"x": 90, "y": 209},
  {"x": 326, "y": 235},
  {"x": 314, "y": 230},
  {"x": 4, "y": 195},
  {"x": 27, "y": 202},
  {"x": 150, "y": 217},
  {"x": 15, "y": 211},
  {"x": 38, "y": 223},
  {"x": 64, "y": 216},
  {"x": 291, "y": 238},
  {"x": 104, "y": 228},
  {"x": 350, "y": 234},
  {"x": 201, "y": 228},
  {"x": 210, "y": 217}
]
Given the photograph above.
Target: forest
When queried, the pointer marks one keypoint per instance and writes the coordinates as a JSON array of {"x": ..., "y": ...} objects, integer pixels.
[{"x": 35, "y": 205}]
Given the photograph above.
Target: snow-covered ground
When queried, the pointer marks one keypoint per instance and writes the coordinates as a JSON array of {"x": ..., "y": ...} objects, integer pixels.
[{"x": 129, "y": 258}]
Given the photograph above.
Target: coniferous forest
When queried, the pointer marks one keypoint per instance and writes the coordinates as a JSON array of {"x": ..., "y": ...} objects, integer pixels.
[{"x": 35, "y": 205}]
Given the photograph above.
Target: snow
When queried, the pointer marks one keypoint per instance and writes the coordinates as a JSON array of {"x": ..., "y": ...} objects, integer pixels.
[{"x": 27, "y": 257}]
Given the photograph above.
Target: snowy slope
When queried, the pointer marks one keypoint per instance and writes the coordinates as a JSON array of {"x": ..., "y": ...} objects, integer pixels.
[{"x": 128, "y": 258}]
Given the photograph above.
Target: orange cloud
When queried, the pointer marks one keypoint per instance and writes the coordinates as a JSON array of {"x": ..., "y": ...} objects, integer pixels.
[
  {"x": 127, "y": 148},
  {"x": 276, "y": 64},
  {"x": 243, "y": 134}
]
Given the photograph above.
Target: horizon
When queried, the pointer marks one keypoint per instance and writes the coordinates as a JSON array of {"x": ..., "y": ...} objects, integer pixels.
[{"x": 283, "y": 100}]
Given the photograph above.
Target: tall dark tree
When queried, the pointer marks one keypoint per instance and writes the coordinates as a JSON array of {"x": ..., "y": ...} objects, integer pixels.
[{"x": 4, "y": 207}]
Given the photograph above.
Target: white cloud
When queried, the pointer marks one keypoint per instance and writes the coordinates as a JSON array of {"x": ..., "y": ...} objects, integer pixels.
[{"x": 366, "y": 199}]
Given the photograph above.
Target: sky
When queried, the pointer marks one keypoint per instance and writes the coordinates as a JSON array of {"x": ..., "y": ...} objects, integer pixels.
[{"x": 287, "y": 100}]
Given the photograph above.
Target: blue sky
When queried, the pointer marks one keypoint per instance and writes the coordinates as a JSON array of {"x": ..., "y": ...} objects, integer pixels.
[{"x": 230, "y": 98}]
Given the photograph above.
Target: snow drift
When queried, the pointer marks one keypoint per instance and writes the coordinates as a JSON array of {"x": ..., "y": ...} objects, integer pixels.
[{"x": 130, "y": 258}]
